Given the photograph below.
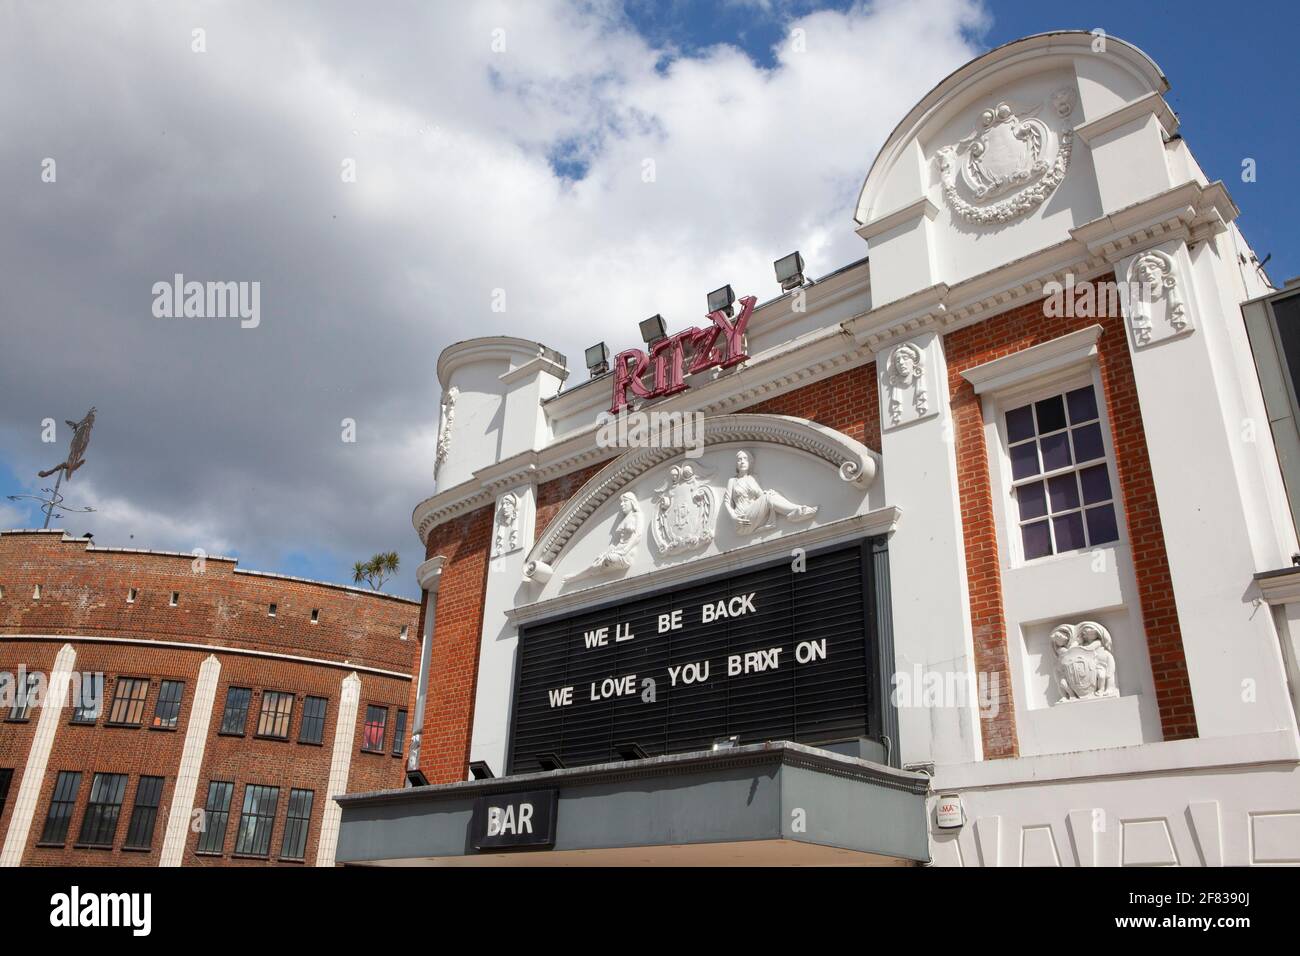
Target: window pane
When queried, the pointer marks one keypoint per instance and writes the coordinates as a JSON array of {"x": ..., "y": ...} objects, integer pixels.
[
  {"x": 1024, "y": 460},
  {"x": 1083, "y": 405},
  {"x": 1020, "y": 424},
  {"x": 99, "y": 825},
  {"x": 167, "y": 710},
  {"x": 273, "y": 720},
  {"x": 6, "y": 778},
  {"x": 1063, "y": 492},
  {"x": 399, "y": 732},
  {"x": 376, "y": 720},
  {"x": 216, "y": 816},
  {"x": 1051, "y": 414},
  {"x": 139, "y": 833},
  {"x": 1037, "y": 540},
  {"x": 1069, "y": 532},
  {"x": 62, "y": 801},
  {"x": 25, "y": 700},
  {"x": 90, "y": 698},
  {"x": 1056, "y": 452},
  {"x": 296, "y": 825},
  {"x": 1033, "y": 501},
  {"x": 1087, "y": 443},
  {"x": 1101, "y": 524},
  {"x": 257, "y": 820},
  {"x": 235, "y": 718},
  {"x": 1096, "y": 484},
  {"x": 313, "y": 720},
  {"x": 128, "y": 701}
]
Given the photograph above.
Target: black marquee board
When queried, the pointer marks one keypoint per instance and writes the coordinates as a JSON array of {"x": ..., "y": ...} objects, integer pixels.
[{"x": 794, "y": 658}]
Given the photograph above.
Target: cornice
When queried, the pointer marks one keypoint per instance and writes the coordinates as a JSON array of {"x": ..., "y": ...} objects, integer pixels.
[
  {"x": 1152, "y": 104},
  {"x": 1047, "y": 356},
  {"x": 913, "y": 210}
]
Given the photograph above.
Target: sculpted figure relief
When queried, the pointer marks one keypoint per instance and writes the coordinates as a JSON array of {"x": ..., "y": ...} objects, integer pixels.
[
  {"x": 906, "y": 369},
  {"x": 1085, "y": 667},
  {"x": 628, "y": 531},
  {"x": 506, "y": 537},
  {"x": 754, "y": 508},
  {"x": 1151, "y": 278}
]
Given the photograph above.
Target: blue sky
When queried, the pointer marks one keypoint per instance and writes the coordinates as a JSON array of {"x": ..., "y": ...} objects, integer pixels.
[
  {"x": 1232, "y": 69},
  {"x": 520, "y": 169}
]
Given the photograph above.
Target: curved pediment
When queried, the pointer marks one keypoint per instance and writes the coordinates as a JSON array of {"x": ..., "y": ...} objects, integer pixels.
[{"x": 754, "y": 478}]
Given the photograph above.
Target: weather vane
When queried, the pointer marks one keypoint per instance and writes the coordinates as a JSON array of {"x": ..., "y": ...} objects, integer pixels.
[{"x": 76, "y": 458}]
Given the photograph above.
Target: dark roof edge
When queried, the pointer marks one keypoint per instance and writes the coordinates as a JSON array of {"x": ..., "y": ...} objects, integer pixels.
[{"x": 775, "y": 753}]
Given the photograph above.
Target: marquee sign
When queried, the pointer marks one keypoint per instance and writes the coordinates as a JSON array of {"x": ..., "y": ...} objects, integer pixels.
[
  {"x": 668, "y": 357},
  {"x": 783, "y": 652}
]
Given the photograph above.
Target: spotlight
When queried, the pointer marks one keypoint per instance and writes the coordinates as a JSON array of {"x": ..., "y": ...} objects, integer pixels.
[
  {"x": 416, "y": 778},
  {"x": 653, "y": 329},
  {"x": 726, "y": 743},
  {"x": 631, "y": 751},
  {"x": 550, "y": 761},
  {"x": 720, "y": 300},
  {"x": 598, "y": 359},
  {"x": 789, "y": 271},
  {"x": 480, "y": 770}
]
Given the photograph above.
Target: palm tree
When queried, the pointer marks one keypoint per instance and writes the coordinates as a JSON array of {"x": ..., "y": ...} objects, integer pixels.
[{"x": 377, "y": 570}]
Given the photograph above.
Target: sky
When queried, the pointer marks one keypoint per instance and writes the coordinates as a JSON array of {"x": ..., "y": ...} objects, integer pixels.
[{"x": 389, "y": 173}]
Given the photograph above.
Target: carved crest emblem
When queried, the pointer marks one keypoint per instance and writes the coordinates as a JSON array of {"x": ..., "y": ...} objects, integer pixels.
[
  {"x": 1085, "y": 666},
  {"x": 685, "y": 508},
  {"x": 1006, "y": 152}
]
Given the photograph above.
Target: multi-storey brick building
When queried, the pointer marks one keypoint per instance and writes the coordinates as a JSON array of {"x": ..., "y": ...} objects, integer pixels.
[
  {"x": 981, "y": 554},
  {"x": 208, "y": 713}
]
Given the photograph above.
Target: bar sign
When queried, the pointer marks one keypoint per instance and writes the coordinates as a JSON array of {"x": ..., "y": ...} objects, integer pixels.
[{"x": 512, "y": 821}]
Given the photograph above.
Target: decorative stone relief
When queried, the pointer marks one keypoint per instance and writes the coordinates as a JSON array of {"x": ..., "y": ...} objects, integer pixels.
[
  {"x": 413, "y": 760},
  {"x": 505, "y": 533},
  {"x": 628, "y": 532},
  {"x": 1085, "y": 667},
  {"x": 685, "y": 511},
  {"x": 444, "y": 428},
  {"x": 908, "y": 374},
  {"x": 1157, "y": 308},
  {"x": 754, "y": 508},
  {"x": 904, "y": 372},
  {"x": 856, "y": 466},
  {"x": 1007, "y": 151}
]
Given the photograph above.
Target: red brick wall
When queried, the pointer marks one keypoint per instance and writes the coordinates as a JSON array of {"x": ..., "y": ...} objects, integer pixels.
[
  {"x": 453, "y": 662},
  {"x": 84, "y": 594},
  {"x": 848, "y": 402},
  {"x": 1004, "y": 335}
]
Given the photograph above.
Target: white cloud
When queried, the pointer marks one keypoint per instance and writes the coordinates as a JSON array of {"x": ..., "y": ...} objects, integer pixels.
[{"x": 226, "y": 165}]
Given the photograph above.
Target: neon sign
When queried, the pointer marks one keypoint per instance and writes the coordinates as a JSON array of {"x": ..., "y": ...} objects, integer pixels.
[{"x": 668, "y": 356}]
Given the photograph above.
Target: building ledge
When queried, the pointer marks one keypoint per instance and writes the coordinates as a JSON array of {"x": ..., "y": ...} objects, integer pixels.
[{"x": 776, "y": 802}]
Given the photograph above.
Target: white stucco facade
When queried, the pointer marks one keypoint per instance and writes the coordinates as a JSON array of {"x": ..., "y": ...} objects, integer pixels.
[{"x": 1043, "y": 162}]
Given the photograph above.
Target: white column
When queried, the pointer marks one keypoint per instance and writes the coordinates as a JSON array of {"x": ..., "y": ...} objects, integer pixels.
[
  {"x": 1231, "y": 645},
  {"x": 29, "y": 791},
  {"x": 340, "y": 763},
  {"x": 187, "y": 775},
  {"x": 429, "y": 574},
  {"x": 927, "y": 555},
  {"x": 511, "y": 542}
]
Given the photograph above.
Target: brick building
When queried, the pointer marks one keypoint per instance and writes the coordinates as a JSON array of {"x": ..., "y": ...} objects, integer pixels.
[
  {"x": 981, "y": 553},
  {"x": 209, "y": 712}
]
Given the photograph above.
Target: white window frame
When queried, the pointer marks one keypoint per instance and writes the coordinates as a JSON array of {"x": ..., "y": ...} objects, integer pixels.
[{"x": 1042, "y": 371}]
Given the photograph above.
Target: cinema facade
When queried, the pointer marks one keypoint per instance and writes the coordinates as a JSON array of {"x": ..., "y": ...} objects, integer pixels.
[{"x": 980, "y": 555}]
